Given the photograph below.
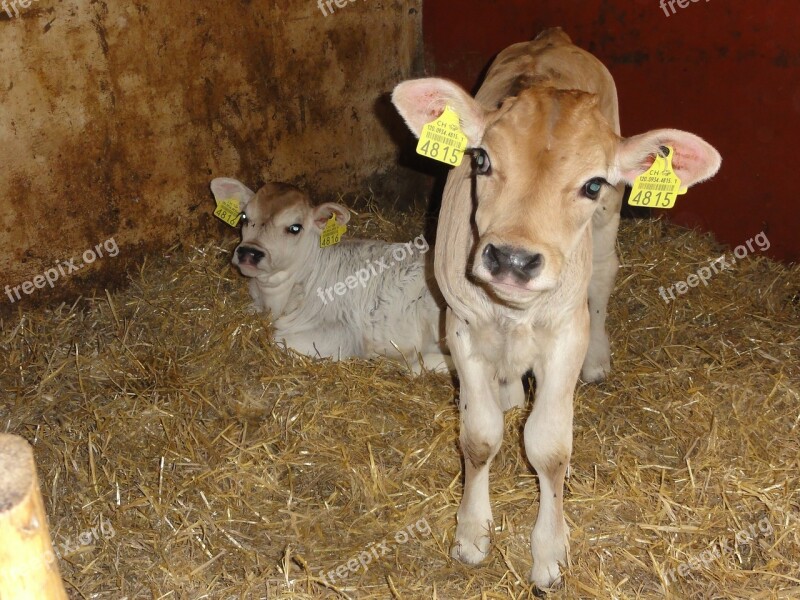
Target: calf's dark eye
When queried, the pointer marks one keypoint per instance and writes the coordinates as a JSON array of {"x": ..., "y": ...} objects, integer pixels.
[
  {"x": 481, "y": 162},
  {"x": 593, "y": 187},
  {"x": 294, "y": 229},
  {"x": 242, "y": 219}
]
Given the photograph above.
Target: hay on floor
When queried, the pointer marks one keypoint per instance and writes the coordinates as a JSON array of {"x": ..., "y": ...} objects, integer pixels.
[{"x": 183, "y": 455}]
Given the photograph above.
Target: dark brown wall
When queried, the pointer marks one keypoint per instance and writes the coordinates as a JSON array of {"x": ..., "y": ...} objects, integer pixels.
[
  {"x": 116, "y": 115},
  {"x": 726, "y": 70}
]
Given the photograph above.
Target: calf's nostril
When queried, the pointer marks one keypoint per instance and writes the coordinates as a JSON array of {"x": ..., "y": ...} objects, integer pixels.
[
  {"x": 492, "y": 259},
  {"x": 525, "y": 265},
  {"x": 530, "y": 264},
  {"x": 247, "y": 254}
]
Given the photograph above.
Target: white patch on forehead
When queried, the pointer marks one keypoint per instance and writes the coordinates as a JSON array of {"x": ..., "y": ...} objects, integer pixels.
[
  {"x": 614, "y": 174},
  {"x": 555, "y": 113}
]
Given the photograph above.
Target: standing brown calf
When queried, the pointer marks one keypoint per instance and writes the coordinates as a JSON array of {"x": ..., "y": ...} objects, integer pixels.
[{"x": 525, "y": 258}]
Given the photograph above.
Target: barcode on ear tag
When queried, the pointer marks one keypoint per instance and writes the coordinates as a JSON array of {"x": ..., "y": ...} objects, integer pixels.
[{"x": 442, "y": 139}]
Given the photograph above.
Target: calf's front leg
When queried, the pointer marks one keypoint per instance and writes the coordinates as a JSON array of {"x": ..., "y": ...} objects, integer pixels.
[
  {"x": 605, "y": 223},
  {"x": 548, "y": 445},
  {"x": 481, "y": 436}
]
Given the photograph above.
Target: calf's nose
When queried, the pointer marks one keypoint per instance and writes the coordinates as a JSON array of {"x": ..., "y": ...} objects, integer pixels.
[
  {"x": 248, "y": 255},
  {"x": 506, "y": 260}
]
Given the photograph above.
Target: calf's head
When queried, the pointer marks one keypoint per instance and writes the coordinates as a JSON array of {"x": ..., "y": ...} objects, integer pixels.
[
  {"x": 280, "y": 227},
  {"x": 542, "y": 162}
]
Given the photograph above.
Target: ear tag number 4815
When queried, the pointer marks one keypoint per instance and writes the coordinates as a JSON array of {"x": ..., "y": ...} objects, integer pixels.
[
  {"x": 442, "y": 139},
  {"x": 659, "y": 186}
]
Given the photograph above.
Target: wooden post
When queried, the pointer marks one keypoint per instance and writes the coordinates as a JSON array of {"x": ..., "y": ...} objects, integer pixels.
[{"x": 28, "y": 565}]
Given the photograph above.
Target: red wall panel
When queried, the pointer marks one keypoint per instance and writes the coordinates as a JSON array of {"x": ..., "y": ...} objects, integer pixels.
[{"x": 726, "y": 70}]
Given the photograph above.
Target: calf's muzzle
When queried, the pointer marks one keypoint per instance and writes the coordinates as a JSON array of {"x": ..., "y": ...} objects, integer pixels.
[
  {"x": 502, "y": 261},
  {"x": 248, "y": 255}
]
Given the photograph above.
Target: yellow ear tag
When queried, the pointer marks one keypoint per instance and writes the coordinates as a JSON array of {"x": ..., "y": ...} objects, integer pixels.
[
  {"x": 332, "y": 233},
  {"x": 659, "y": 186},
  {"x": 442, "y": 139},
  {"x": 228, "y": 211}
]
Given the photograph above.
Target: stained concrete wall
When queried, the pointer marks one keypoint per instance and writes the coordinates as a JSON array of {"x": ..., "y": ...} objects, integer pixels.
[{"x": 116, "y": 115}]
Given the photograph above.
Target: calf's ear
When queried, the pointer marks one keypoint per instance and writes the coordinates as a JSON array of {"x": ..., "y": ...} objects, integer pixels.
[
  {"x": 695, "y": 160},
  {"x": 420, "y": 101},
  {"x": 225, "y": 187},
  {"x": 323, "y": 212}
]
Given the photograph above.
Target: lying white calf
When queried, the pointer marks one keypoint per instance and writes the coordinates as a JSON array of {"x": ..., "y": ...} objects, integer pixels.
[{"x": 357, "y": 298}]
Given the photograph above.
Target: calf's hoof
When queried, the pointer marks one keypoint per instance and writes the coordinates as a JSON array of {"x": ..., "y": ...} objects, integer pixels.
[
  {"x": 473, "y": 541},
  {"x": 597, "y": 363},
  {"x": 595, "y": 368},
  {"x": 549, "y": 555},
  {"x": 546, "y": 576}
]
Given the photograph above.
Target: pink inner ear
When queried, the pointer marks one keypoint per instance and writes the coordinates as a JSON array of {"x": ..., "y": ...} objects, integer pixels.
[
  {"x": 420, "y": 101},
  {"x": 322, "y": 220},
  {"x": 647, "y": 162},
  {"x": 433, "y": 105},
  {"x": 680, "y": 160},
  {"x": 231, "y": 190},
  {"x": 694, "y": 159},
  {"x": 685, "y": 160}
]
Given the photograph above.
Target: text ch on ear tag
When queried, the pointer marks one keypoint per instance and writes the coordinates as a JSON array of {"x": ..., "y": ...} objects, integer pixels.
[
  {"x": 228, "y": 210},
  {"x": 659, "y": 185},
  {"x": 332, "y": 233},
  {"x": 442, "y": 139}
]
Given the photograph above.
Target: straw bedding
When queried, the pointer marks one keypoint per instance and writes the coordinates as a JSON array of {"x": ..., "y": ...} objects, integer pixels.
[{"x": 183, "y": 455}]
